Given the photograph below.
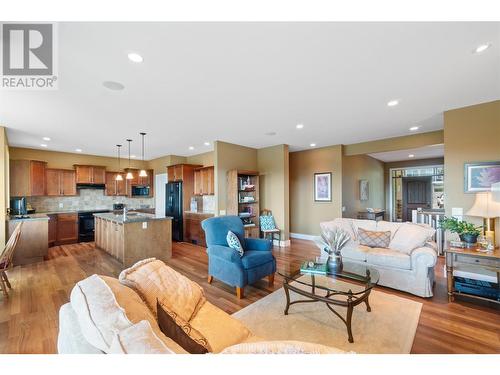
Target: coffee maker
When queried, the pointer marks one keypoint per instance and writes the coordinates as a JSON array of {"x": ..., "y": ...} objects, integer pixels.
[{"x": 18, "y": 206}]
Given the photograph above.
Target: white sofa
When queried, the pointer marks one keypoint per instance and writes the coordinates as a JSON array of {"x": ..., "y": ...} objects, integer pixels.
[
  {"x": 408, "y": 262},
  {"x": 106, "y": 317}
]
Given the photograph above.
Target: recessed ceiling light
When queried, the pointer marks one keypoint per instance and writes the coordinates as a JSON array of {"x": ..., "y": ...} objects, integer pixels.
[
  {"x": 46, "y": 139},
  {"x": 112, "y": 85},
  {"x": 207, "y": 143},
  {"x": 191, "y": 147},
  {"x": 135, "y": 57},
  {"x": 271, "y": 133},
  {"x": 413, "y": 128},
  {"x": 299, "y": 126},
  {"x": 313, "y": 145},
  {"x": 411, "y": 156},
  {"x": 78, "y": 150},
  {"x": 43, "y": 145},
  {"x": 392, "y": 103},
  {"x": 482, "y": 47}
]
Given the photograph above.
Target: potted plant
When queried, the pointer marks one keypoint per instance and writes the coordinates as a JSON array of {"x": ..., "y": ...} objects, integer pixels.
[{"x": 467, "y": 232}]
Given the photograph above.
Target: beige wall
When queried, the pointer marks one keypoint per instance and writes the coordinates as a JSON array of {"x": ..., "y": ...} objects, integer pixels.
[
  {"x": 273, "y": 169},
  {"x": 229, "y": 156},
  {"x": 354, "y": 169},
  {"x": 305, "y": 214},
  {"x": 206, "y": 159},
  {"x": 396, "y": 143},
  {"x": 471, "y": 134},
  {"x": 4, "y": 183},
  {"x": 160, "y": 164},
  {"x": 65, "y": 160}
]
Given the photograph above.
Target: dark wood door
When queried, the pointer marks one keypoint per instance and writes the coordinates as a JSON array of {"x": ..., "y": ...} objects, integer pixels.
[
  {"x": 53, "y": 181},
  {"x": 37, "y": 178},
  {"x": 68, "y": 182},
  {"x": 417, "y": 193}
]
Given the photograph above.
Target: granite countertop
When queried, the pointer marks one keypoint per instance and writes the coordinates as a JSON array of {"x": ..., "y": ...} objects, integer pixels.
[
  {"x": 131, "y": 217},
  {"x": 30, "y": 217}
]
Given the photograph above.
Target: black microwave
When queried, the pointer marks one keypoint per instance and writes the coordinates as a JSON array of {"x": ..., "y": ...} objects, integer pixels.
[{"x": 140, "y": 191}]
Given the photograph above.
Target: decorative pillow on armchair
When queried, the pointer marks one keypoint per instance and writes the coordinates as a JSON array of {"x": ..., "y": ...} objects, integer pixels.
[
  {"x": 373, "y": 238},
  {"x": 267, "y": 222},
  {"x": 234, "y": 243}
]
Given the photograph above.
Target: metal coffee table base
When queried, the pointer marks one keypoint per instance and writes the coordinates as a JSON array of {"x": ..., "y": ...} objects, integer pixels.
[{"x": 352, "y": 300}]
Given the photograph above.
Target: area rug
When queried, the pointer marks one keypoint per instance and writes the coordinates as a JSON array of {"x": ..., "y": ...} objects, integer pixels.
[{"x": 389, "y": 328}]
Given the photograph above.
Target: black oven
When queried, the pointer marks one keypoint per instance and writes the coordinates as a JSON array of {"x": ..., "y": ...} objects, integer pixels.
[
  {"x": 140, "y": 191},
  {"x": 86, "y": 225}
]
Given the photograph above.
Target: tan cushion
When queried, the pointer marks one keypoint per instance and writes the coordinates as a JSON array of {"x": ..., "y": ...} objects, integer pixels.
[
  {"x": 410, "y": 236},
  {"x": 98, "y": 312},
  {"x": 281, "y": 347},
  {"x": 389, "y": 258},
  {"x": 138, "y": 339},
  {"x": 153, "y": 280},
  {"x": 374, "y": 238},
  {"x": 219, "y": 329},
  {"x": 136, "y": 310}
]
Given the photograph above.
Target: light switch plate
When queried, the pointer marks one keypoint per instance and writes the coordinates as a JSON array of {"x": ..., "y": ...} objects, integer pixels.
[
  {"x": 457, "y": 212},
  {"x": 222, "y": 212},
  {"x": 144, "y": 225}
]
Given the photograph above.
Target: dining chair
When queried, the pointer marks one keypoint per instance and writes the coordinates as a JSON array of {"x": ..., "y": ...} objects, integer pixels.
[{"x": 6, "y": 259}]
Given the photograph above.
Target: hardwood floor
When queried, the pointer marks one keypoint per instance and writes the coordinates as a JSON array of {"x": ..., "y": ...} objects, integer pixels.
[{"x": 29, "y": 318}]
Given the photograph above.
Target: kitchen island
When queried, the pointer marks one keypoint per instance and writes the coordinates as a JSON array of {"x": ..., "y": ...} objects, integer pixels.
[
  {"x": 134, "y": 237},
  {"x": 33, "y": 243}
]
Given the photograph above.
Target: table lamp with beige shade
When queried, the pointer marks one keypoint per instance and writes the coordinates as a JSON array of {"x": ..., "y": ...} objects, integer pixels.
[{"x": 487, "y": 206}]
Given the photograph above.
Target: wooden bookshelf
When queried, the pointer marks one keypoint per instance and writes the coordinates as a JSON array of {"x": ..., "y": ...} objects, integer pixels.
[{"x": 243, "y": 199}]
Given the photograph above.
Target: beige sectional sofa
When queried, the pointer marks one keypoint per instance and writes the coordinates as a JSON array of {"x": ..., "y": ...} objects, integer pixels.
[
  {"x": 408, "y": 262},
  {"x": 118, "y": 316}
]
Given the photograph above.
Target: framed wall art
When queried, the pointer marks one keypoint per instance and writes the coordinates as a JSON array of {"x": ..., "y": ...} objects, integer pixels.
[
  {"x": 323, "y": 187},
  {"x": 480, "y": 176}
]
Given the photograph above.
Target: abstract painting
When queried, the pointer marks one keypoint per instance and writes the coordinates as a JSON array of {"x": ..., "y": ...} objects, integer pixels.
[
  {"x": 480, "y": 176},
  {"x": 322, "y": 187},
  {"x": 363, "y": 190}
]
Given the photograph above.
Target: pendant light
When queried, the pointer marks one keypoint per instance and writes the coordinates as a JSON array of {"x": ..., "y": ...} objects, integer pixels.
[
  {"x": 119, "y": 176},
  {"x": 143, "y": 172},
  {"x": 129, "y": 174}
]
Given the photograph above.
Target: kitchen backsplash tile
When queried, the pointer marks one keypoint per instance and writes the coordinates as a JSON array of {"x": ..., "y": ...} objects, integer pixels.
[{"x": 89, "y": 199}]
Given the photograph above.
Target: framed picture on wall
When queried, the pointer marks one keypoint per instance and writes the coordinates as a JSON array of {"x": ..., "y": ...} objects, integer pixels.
[
  {"x": 323, "y": 187},
  {"x": 480, "y": 176},
  {"x": 363, "y": 190}
]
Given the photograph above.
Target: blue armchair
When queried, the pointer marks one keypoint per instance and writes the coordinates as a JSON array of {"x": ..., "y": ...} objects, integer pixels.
[{"x": 225, "y": 264}]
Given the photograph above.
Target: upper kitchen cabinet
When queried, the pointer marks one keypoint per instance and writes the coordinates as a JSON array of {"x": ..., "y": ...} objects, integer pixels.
[
  {"x": 115, "y": 187},
  {"x": 181, "y": 172},
  {"x": 90, "y": 174},
  {"x": 204, "y": 181},
  {"x": 60, "y": 182},
  {"x": 27, "y": 178}
]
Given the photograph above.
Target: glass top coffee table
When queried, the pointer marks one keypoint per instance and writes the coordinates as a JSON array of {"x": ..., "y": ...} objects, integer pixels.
[{"x": 348, "y": 286}]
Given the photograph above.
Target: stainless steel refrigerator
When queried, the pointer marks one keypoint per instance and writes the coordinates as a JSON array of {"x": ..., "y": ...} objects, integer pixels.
[{"x": 173, "y": 207}]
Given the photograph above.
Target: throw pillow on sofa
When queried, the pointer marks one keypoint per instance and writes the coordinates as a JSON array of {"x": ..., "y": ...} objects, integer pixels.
[
  {"x": 410, "y": 237},
  {"x": 234, "y": 243},
  {"x": 374, "y": 238}
]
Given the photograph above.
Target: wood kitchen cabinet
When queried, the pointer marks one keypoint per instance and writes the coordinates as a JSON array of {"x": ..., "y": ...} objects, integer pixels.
[
  {"x": 114, "y": 187},
  {"x": 90, "y": 174},
  {"x": 60, "y": 182},
  {"x": 193, "y": 232},
  {"x": 204, "y": 181},
  {"x": 67, "y": 228},
  {"x": 27, "y": 178}
]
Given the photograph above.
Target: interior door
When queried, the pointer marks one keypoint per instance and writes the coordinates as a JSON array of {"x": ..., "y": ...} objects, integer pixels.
[{"x": 417, "y": 193}]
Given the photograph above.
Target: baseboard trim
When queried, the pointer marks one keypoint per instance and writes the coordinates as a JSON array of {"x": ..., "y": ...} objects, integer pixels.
[{"x": 300, "y": 236}]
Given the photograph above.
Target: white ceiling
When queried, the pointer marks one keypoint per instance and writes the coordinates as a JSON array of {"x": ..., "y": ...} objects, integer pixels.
[
  {"x": 238, "y": 81},
  {"x": 427, "y": 152}
]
